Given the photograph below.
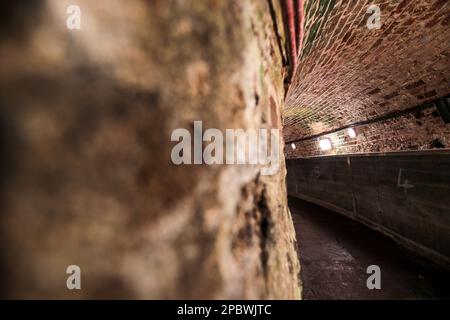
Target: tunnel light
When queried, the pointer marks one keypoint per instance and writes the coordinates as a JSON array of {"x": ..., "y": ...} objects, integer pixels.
[
  {"x": 293, "y": 146},
  {"x": 352, "y": 133},
  {"x": 325, "y": 144}
]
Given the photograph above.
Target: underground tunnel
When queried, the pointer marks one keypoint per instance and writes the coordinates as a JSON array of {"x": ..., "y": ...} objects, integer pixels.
[{"x": 226, "y": 149}]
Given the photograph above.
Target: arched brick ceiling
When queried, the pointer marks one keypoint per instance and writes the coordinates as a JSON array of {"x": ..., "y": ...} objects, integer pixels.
[{"x": 348, "y": 73}]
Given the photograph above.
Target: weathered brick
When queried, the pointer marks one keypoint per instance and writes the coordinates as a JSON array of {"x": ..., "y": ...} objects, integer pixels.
[
  {"x": 402, "y": 65},
  {"x": 418, "y": 131}
]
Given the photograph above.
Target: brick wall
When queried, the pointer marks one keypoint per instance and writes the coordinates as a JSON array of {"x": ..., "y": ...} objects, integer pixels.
[
  {"x": 348, "y": 73},
  {"x": 422, "y": 130}
]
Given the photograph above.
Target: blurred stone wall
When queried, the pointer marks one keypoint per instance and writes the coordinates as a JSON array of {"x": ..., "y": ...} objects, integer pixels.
[{"x": 86, "y": 177}]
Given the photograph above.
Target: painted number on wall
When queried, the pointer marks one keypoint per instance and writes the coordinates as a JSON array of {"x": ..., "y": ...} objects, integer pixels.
[{"x": 405, "y": 184}]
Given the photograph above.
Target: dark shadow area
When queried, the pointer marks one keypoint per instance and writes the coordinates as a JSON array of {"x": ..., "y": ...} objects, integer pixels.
[
  {"x": 335, "y": 252},
  {"x": 18, "y": 17}
]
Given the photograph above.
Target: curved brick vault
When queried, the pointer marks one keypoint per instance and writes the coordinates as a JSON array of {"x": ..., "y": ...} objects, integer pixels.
[{"x": 348, "y": 73}]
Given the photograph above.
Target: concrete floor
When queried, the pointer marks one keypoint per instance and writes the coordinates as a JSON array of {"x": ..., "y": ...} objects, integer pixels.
[{"x": 336, "y": 251}]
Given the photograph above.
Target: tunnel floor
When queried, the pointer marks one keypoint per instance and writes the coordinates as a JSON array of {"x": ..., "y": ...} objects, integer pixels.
[{"x": 335, "y": 252}]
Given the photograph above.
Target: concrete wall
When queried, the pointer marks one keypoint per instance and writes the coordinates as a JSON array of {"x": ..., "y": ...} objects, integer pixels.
[
  {"x": 86, "y": 175},
  {"x": 403, "y": 195}
]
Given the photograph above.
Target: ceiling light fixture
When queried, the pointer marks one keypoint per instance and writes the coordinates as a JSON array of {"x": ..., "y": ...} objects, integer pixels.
[
  {"x": 352, "y": 133},
  {"x": 325, "y": 144}
]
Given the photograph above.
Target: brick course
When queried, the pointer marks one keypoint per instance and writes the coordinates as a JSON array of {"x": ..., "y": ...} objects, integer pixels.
[
  {"x": 422, "y": 130},
  {"x": 348, "y": 73}
]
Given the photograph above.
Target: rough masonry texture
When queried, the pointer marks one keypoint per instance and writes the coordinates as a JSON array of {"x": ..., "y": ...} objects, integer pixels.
[
  {"x": 348, "y": 73},
  {"x": 87, "y": 179},
  {"x": 421, "y": 130}
]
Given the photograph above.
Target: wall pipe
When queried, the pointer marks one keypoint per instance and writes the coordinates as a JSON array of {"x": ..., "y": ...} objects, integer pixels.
[
  {"x": 300, "y": 22},
  {"x": 290, "y": 15}
]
